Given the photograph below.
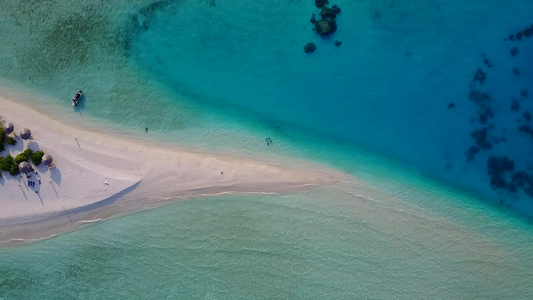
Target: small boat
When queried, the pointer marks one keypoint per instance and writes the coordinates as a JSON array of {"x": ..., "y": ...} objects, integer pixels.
[{"x": 77, "y": 98}]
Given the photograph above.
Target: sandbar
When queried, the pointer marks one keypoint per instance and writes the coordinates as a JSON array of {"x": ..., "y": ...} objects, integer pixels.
[{"x": 94, "y": 170}]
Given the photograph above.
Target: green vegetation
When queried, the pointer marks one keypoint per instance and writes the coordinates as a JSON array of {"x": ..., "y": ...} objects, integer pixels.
[
  {"x": 23, "y": 156},
  {"x": 14, "y": 170},
  {"x": 37, "y": 157},
  {"x": 2, "y": 137},
  {"x": 11, "y": 141},
  {"x": 8, "y": 164},
  {"x": 5, "y": 163}
]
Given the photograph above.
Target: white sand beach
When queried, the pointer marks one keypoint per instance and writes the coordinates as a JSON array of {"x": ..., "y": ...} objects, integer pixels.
[{"x": 93, "y": 170}]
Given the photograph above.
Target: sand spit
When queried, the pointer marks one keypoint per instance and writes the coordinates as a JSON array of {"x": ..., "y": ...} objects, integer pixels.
[
  {"x": 98, "y": 176},
  {"x": 93, "y": 170}
]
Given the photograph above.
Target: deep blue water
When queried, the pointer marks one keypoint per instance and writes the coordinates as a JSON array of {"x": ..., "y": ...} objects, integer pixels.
[{"x": 399, "y": 84}]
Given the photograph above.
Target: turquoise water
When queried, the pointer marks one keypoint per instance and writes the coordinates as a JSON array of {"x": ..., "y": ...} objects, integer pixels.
[
  {"x": 220, "y": 76},
  {"x": 198, "y": 77},
  {"x": 387, "y": 88},
  {"x": 291, "y": 247}
]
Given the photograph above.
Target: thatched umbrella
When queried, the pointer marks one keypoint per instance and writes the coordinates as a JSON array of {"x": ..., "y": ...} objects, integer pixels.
[
  {"x": 9, "y": 128},
  {"x": 24, "y": 167},
  {"x": 25, "y": 134},
  {"x": 47, "y": 159}
]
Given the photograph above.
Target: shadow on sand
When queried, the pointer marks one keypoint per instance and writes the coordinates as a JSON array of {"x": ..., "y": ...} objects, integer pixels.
[
  {"x": 34, "y": 146},
  {"x": 19, "y": 147},
  {"x": 55, "y": 174}
]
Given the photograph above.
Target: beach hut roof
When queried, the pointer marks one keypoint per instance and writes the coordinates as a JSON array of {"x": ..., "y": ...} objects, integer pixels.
[
  {"x": 25, "y": 134},
  {"x": 24, "y": 167},
  {"x": 47, "y": 159},
  {"x": 9, "y": 128}
]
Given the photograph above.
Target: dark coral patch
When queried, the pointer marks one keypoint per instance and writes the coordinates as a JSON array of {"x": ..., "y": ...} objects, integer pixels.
[
  {"x": 480, "y": 76},
  {"x": 309, "y": 48},
  {"x": 321, "y": 3},
  {"x": 516, "y": 71},
  {"x": 528, "y": 32},
  {"x": 480, "y": 136},
  {"x": 485, "y": 115},
  {"x": 472, "y": 151},
  {"x": 332, "y": 12},
  {"x": 527, "y": 116},
  {"x": 478, "y": 97},
  {"x": 498, "y": 167},
  {"x": 327, "y": 24},
  {"x": 526, "y": 129},
  {"x": 487, "y": 63},
  {"x": 325, "y": 27}
]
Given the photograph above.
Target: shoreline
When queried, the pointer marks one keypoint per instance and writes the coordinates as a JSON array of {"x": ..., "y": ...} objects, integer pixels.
[
  {"x": 142, "y": 176},
  {"x": 95, "y": 171}
]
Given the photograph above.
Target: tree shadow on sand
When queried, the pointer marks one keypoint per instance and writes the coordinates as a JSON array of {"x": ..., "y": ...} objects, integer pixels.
[
  {"x": 18, "y": 147},
  {"x": 55, "y": 174},
  {"x": 34, "y": 146}
]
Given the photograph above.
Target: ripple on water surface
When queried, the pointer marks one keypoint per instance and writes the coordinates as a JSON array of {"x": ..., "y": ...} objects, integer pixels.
[{"x": 326, "y": 244}]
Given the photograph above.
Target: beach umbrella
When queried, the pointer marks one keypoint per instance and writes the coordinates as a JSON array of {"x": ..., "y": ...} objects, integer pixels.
[
  {"x": 24, "y": 167},
  {"x": 47, "y": 159},
  {"x": 9, "y": 128},
  {"x": 25, "y": 134}
]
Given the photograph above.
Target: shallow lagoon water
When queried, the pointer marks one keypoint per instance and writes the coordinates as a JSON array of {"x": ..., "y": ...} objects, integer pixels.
[
  {"x": 307, "y": 246},
  {"x": 220, "y": 78}
]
